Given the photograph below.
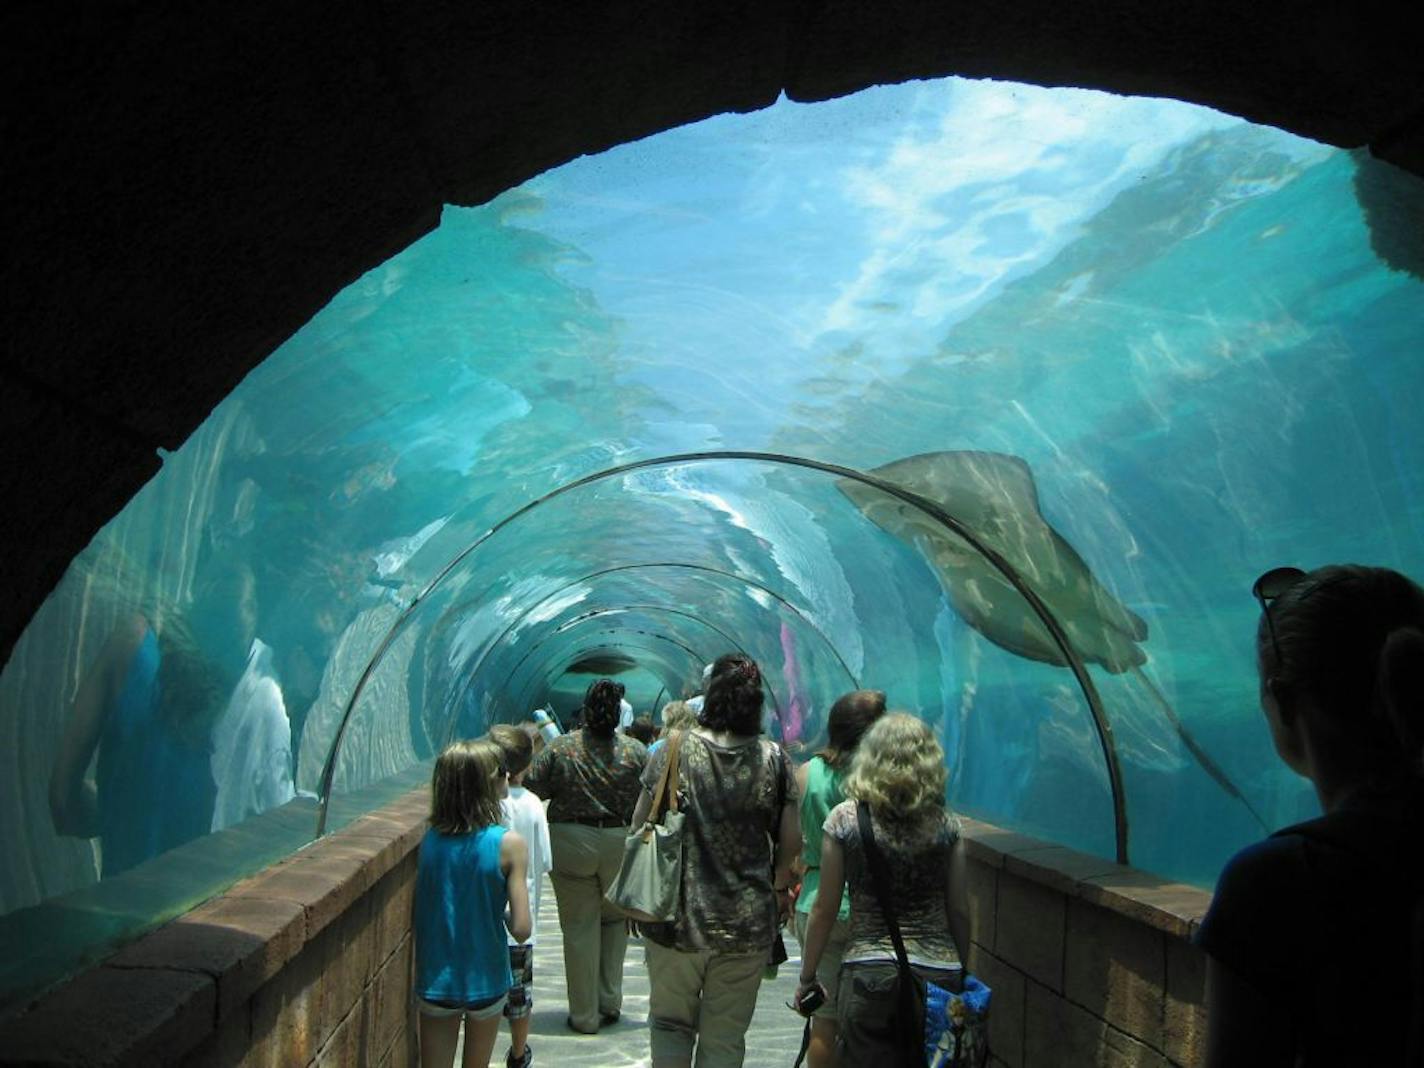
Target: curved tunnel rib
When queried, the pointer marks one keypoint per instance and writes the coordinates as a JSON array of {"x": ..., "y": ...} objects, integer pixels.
[
  {"x": 514, "y": 624},
  {"x": 770, "y": 692},
  {"x": 928, "y": 507},
  {"x": 605, "y": 646},
  {"x": 613, "y": 609}
]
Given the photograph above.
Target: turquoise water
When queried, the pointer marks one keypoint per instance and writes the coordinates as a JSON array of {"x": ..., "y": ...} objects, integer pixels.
[{"x": 1175, "y": 319}]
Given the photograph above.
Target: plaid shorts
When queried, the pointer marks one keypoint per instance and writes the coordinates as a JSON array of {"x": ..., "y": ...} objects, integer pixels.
[{"x": 521, "y": 994}]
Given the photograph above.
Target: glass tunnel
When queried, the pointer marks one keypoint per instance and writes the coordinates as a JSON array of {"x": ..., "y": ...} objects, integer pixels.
[{"x": 991, "y": 396}]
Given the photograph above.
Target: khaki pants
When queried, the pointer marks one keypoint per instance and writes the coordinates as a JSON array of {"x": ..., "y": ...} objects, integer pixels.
[
  {"x": 586, "y": 861},
  {"x": 703, "y": 998}
]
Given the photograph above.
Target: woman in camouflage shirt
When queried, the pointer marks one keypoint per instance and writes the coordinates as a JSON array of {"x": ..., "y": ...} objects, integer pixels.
[{"x": 738, "y": 792}]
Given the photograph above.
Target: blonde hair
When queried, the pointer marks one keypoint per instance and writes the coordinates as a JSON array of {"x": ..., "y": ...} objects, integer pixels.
[
  {"x": 677, "y": 717},
  {"x": 464, "y": 789},
  {"x": 898, "y": 769}
]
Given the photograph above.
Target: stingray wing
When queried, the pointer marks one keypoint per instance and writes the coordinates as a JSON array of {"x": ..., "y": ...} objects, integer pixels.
[{"x": 994, "y": 495}]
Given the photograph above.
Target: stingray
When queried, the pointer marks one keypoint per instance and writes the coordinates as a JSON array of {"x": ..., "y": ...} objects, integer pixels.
[
  {"x": 602, "y": 664},
  {"x": 994, "y": 496}
]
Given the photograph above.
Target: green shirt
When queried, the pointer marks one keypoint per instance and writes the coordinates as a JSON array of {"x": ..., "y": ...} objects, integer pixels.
[{"x": 823, "y": 793}]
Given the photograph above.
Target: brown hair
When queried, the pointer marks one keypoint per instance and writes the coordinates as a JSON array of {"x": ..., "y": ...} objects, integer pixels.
[
  {"x": 515, "y": 744},
  {"x": 536, "y": 740},
  {"x": 851, "y": 716},
  {"x": 464, "y": 792},
  {"x": 602, "y": 707},
  {"x": 734, "y": 696},
  {"x": 642, "y": 729}
]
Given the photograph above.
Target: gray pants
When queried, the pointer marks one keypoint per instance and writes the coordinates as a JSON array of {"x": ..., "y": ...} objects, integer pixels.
[{"x": 586, "y": 861}]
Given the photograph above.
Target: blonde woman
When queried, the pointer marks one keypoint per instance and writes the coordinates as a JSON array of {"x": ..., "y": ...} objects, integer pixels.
[
  {"x": 470, "y": 868},
  {"x": 676, "y": 717},
  {"x": 899, "y": 772}
]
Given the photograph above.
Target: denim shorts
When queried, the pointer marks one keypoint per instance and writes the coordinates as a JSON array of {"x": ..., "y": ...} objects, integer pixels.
[
  {"x": 865, "y": 1009},
  {"x": 478, "y": 1010}
]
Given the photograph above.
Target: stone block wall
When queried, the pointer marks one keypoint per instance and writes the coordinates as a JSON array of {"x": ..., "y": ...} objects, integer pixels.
[
  {"x": 306, "y": 963},
  {"x": 309, "y": 963},
  {"x": 1090, "y": 962}
]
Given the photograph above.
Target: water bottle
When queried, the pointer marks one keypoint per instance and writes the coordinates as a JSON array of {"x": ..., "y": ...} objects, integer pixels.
[{"x": 547, "y": 727}]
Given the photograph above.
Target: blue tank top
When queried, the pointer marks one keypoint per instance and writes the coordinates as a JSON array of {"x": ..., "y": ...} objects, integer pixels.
[
  {"x": 154, "y": 791},
  {"x": 461, "y": 950}
]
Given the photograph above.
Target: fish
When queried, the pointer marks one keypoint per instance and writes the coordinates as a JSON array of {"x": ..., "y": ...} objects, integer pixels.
[
  {"x": 994, "y": 496},
  {"x": 602, "y": 664}
]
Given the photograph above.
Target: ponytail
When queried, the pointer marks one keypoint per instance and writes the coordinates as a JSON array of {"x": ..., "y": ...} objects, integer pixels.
[{"x": 1399, "y": 684}]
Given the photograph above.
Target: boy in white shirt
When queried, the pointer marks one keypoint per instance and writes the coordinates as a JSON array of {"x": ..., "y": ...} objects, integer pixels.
[{"x": 523, "y": 813}]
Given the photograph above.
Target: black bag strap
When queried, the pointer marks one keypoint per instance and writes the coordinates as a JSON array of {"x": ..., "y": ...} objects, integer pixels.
[
  {"x": 880, "y": 876},
  {"x": 805, "y": 1043}
]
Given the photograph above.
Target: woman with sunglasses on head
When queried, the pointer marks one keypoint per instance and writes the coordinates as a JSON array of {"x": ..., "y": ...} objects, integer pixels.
[
  {"x": 1314, "y": 934},
  {"x": 590, "y": 777}
]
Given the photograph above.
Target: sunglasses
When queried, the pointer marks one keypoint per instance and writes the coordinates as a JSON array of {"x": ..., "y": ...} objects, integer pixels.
[{"x": 1266, "y": 589}]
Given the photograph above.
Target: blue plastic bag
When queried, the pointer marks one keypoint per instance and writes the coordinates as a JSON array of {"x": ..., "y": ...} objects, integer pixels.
[{"x": 957, "y": 1025}]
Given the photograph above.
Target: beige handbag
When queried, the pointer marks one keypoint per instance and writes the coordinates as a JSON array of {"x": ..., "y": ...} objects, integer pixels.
[{"x": 650, "y": 880}]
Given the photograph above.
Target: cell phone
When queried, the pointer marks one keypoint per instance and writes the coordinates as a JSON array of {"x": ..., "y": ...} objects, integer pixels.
[{"x": 812, "y": 1000}]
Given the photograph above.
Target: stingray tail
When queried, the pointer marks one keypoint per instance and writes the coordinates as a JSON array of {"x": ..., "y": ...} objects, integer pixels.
[{"x": 1208, "y": 765}]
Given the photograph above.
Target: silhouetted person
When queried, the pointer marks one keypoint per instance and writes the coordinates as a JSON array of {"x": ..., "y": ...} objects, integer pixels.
[
  {"x": 1310, "y": 935},
  {"x": 145, "y": 714}
]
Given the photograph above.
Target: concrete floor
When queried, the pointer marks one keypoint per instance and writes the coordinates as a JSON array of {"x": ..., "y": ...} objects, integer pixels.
[{"x": 772, "y": 1041}]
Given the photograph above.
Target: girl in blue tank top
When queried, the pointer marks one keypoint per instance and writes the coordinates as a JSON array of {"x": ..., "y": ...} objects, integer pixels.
[{"x": 470, "y": 869}]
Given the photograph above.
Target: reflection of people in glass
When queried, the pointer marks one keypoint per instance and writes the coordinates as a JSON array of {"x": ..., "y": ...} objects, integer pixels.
[
  {"x": 146, "y": 706},
  {"x": 252, "y": 745}
]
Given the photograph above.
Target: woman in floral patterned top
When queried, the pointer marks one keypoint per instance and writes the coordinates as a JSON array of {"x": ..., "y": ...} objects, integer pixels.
[
  {"x": 590, "y": 779},
  {"x": 738, "y": 791}
]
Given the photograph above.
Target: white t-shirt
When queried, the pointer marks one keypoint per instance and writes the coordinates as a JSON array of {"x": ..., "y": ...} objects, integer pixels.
[
  {"x": 252, "y": 745},
  {"x": 625, "y": 714},
  {"x": 524, "y": 814}
]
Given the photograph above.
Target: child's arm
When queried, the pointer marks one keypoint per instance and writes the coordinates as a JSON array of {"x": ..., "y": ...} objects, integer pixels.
[{"x": 513, "y": 860}]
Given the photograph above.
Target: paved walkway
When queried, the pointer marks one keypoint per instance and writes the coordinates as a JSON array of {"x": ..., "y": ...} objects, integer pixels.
[{"x": 772, "y": 1041}]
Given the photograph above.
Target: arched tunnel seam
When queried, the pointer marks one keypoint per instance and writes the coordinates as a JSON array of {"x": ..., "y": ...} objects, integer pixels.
[
  {"x": 598, "y": 613},
  {"x": 925, "y": 505},
  {"x": 473, "y": 673}
]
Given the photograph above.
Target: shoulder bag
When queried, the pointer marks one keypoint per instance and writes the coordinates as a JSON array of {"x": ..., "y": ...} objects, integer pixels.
[
  {"x": 650, "y": 881},
  {"x": 954, "y": 1026}
]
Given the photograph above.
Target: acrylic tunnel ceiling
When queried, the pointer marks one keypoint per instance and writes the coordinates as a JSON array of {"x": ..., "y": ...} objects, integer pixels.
[{"x": 1116, "y": 356}]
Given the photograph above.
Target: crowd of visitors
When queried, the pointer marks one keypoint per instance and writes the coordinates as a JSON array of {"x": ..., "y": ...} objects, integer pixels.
[{"x": 864, "y": 829}]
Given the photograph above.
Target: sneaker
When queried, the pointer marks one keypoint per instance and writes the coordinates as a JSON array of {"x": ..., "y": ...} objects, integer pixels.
[{"x": 523, "y": 1062}]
